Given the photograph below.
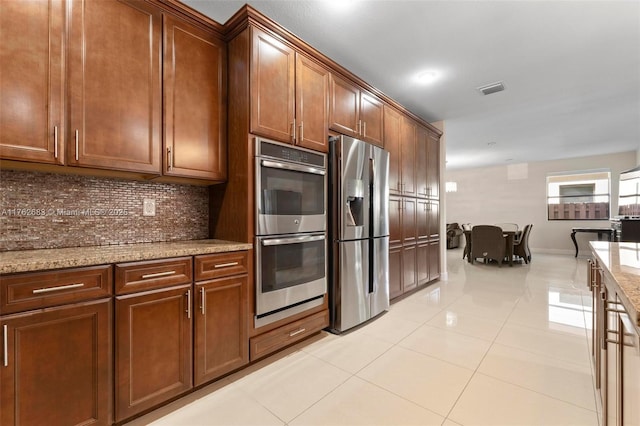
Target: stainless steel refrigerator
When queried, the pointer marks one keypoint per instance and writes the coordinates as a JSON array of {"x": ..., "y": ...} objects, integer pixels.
[{"x": 359, "y": 230}]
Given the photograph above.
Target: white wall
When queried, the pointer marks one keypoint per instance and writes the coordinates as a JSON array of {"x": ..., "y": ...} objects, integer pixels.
[{"x": 517, "y": 193}]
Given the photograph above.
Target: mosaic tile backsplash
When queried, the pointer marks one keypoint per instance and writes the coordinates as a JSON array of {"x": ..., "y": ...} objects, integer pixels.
[{"x": 45, "y": 210}]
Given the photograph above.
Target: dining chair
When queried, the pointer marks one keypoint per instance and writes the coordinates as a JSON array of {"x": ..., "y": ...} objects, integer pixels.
[
  {"x": 487, "y": 242},
  {"x": 521, "y": 247}
]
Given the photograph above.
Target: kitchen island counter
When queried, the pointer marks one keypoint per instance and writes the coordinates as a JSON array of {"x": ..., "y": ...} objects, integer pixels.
[
  {"x": 44, "y": 259},
  {"x": 621, "y": 261}
]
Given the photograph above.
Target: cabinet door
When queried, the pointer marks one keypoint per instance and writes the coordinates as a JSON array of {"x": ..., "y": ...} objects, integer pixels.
[
  {"x": 422, "y": 219},
  {"x": 395, "y": 221},
  {"x": 221, "y": 339},
  {"x": 312, "y": 104},
  {"x": 392, "y": 125},
  {"x": 344, "y": 106},
  {"x": 395, "y": 272},
  {"x": 422, "y": 266},
  {"x": 408, "y": 148},
  {"x": 115, "y": 85},
  {"x": 272, "y": 85},
  {"x": 371, "y": 118},
  {"x": 153, "y": 348},
  {"x": 409, "y": 259},
  {"x": 433, "y": 166},
  {"x": 31, "y": 66},
  {"x": 422, "y": 146},
  {"x": 611, "y": 370},
  {"x": 630, "y": 361},
  {"x": 194, "y": 102},
  {"x": 409, "y": 232},
  {"x": 58, "y": 370},
  {"x": 433, "y": 210},
  {"x": 434, "y": 260}
]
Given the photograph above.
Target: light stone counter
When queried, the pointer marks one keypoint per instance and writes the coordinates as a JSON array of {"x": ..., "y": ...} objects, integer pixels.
[
  {"x": 38, "y": 260},
  {"x": 622, "y": 262}
]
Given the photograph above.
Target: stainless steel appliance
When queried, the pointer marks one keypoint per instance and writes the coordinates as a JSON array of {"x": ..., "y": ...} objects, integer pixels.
[
  {"x": 291, "y": 224},
  {"x": 359, "y": 229},
  {"x": 291, "y": 189}
]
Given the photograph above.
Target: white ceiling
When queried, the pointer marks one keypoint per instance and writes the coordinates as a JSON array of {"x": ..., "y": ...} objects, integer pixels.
[{"x": 571, "y": 68}]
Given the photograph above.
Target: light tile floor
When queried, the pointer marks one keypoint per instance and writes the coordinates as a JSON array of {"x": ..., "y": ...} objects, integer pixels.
[{"x": 489, "y": 346}]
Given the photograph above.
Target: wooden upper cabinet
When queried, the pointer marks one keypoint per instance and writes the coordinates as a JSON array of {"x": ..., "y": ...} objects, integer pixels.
[
  {"x": 195, "y": 63},
  {"x": 408, "y": 134},
  {"x": 371, "y": 117},
  {"x": 272, "y": 87},
  {"x": 392, "y": 121},
  {"x": 115, "y": 85},
  {"x": 289, "y": 94},
  {"x": 344, "y": 106},
  {"x": 422, "y": 219},
  {"x": 422, "y": 146},
  {"x": 31, "y": 82},
  {"x": 433, "y": 166},
  {"x": 355, "y": 112},
  {"x": 312, "y": 104}
]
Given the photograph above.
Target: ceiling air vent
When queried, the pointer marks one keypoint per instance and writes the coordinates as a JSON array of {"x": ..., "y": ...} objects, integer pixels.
[{"x": 491, "y": 88}]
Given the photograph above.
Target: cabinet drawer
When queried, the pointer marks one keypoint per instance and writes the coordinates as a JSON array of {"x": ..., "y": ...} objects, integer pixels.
[
  {"x": 221, "y": 265},
  {"x": 152, "y": 274},
  {"x": 33, "y": 290},
  {"x": 270, "y": 342}
]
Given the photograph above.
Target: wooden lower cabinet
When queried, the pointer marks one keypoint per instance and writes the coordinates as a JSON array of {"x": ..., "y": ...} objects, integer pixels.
[
  {"x": 153, "y": 348},
  {"x": 221, "y": 340},
  {"x": 267, "y": 343},
  {"x": 434, "y": 260},
  {"x": 395, "y": 272},
  {"x": 58, "y": 368},
  {"x": 409, "y": 268}
]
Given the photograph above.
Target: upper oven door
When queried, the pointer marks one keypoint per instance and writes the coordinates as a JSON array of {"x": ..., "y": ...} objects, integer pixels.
[{"x": 290, "y": 197}]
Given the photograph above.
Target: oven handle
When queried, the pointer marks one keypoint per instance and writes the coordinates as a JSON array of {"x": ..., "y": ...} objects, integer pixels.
[
  {"x": 294, "y": 167},
  {"x": 292, "y": 240}
]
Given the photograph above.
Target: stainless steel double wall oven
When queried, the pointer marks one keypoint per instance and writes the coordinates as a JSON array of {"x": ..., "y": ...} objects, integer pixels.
[{"x": 291, "y": 226}]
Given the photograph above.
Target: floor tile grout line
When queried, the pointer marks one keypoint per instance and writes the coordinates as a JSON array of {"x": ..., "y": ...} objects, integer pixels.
[{"x": 475, "y": 371}]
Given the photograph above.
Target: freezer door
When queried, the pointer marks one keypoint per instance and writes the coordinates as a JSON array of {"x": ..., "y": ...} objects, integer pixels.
[
  {"x": 353, "y": 181},
  {"x": 379, "y": 267},
  {"x": 352, "y": 301},
  {"x": 379, "y": 159}
]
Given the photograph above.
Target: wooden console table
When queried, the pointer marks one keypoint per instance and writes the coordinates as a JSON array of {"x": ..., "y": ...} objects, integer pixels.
[{"x": 600, "y": 231}]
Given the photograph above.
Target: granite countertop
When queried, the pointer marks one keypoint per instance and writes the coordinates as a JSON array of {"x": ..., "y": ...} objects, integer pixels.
[
  {"x": 38, "y": 260},
  {"x": 622, "y": 261}
]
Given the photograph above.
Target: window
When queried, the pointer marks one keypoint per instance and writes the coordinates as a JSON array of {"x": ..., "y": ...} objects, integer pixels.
[{"x": 579, "y": 195}]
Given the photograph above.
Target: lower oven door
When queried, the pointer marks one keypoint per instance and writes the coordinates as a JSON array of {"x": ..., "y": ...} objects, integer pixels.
[{"x": 291, "y": 269}]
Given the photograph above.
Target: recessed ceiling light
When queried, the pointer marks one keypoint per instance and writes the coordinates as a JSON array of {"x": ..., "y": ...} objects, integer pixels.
[{"x": 427, "y": 77}]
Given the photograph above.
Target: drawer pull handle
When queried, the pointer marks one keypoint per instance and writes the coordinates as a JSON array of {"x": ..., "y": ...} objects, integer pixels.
[
  {"x": 302, "y": 330},
  {"x": 158, "y": 274},
  {"x": 61, "y": 287},
  {"x": 225, "y": 265},
  {"x": 5, "y": 346}
]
